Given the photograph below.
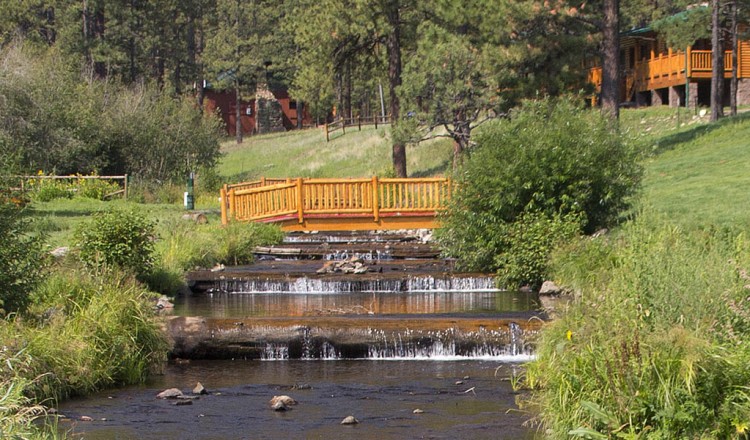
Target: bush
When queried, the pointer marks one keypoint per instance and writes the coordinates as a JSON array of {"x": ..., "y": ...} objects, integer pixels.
[
  {"x": 96, "y": 189},
  {"x": 124, "y": 239},
  {"x": 528, "y": 242},
  {"x": 552, "y": 160},
  {"x": 48, "y": 190},
  {"x": 54, "y": 119},
  {"x": 22, "y": 260}
]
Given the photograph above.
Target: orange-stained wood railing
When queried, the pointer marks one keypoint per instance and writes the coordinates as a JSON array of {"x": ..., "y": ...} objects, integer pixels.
[
  {"x": 673, "y": 68},
  {"x": 300, "y": 199}
]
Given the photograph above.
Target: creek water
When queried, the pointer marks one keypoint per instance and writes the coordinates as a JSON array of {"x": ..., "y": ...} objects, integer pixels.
[
  {"x": 461, "y": 397},
  {"x": 382, "y": 395}
]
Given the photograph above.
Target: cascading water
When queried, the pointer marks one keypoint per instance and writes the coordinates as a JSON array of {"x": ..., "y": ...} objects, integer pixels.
[
  {"x": 450, "y": 344},
  {"x": 304, "y": 284}
]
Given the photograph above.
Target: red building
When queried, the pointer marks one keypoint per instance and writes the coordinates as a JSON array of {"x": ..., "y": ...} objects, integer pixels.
[{"x": 273, "y": 111}]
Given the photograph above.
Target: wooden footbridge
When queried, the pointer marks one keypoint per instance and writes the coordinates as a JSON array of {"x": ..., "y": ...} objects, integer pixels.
[{"x": 337, "y": 204}]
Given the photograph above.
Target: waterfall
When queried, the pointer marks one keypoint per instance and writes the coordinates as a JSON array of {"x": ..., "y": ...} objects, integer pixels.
[
  {"x": 423, "y": 283},
  {"x": 451, "y": 344}
]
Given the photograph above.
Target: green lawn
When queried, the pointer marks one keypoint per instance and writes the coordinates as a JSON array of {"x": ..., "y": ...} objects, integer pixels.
[{"x": 699, "y": 176}]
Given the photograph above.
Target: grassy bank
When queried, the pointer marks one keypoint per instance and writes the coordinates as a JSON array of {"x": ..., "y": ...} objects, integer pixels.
[
  {"x": 87, "y": 329},
  {"x": 306, "y": 153},
  {"x": 655, "y": 343}
]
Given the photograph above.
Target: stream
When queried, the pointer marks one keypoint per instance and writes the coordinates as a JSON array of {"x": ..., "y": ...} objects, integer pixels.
[{"x": 411, "y": 349}]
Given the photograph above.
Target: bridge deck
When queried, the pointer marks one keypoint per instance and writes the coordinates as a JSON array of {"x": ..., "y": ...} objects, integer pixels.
[{"x": 337, "y": 204}]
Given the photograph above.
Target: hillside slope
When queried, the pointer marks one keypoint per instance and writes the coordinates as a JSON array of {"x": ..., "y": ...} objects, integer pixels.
[
  {"x": 306, "y": 153},
  {"x": 699, "y": 176}
]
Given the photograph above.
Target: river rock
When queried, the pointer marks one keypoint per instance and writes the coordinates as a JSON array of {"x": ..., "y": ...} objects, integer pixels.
[
  {"x": 286, "y": 400},
  {"x": 199, "y": 389},
  {"x": 550, "y": 288},
  {"x": 86, "y": 419},
  {"x": 197, "y": 217},
  {"x": 183, "y": 402},
  {"x": 171, "y": 393},
  {"x": 418, "y": 411},
  {"x": 164, "y": 303},
  {"x": 349, "y": 420},
  {"x": 60, "y": 252}
]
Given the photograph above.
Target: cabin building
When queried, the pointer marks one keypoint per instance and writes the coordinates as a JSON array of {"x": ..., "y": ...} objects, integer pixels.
[
  {"x": 653, "y": 74},
  {"x": 268, "y": 111}
]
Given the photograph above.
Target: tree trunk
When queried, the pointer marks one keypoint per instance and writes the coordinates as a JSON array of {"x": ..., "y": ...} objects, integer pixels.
[
  {"x": 735, "y": 60},
  {"x": 300, "y": 113},
  {"x": 238, "y": 112},
  {"x": 461, "y": 137},
  {"x": 717, "y": 73},
  {"x": 200, "y": 94},
  {"x": 610, "y": 92},
  {"x": 393, "y": 44}
]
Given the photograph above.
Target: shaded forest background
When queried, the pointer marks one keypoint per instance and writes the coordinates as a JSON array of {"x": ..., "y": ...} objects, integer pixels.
[{"x": 113, "y": 86}]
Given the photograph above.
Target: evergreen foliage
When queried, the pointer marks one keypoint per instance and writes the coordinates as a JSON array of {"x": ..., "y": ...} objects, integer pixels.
[{"x": 552, "y": 161}]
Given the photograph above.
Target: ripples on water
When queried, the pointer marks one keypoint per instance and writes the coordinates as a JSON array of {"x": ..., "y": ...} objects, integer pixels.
[{"x": 466, "y": 399}]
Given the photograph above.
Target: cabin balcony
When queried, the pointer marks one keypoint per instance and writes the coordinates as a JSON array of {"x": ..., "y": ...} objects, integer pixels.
[{"x": 672, "y": 69}]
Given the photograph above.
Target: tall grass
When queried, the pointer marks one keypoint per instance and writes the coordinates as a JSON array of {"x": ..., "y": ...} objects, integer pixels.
[
  {"x": 18, "y": 412},
  {"x": 86, "y": 332},
  {"x": 658, "y": 339}
]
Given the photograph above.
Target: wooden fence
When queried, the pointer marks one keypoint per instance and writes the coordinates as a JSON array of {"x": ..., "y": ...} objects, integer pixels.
[
  {"x": 370, "y": 203},
  {"x": 359, "y": 121},
  {"x": 23, "y": 182}
]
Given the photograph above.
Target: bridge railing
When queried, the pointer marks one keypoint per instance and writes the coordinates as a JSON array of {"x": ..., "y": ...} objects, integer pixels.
[{"x": 282, "y": 199}]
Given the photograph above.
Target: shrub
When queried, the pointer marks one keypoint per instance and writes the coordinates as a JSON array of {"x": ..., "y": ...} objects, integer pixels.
[
  {"x": 551, "y": 159},
  {"x": 54, "y": 119},
  {"x": 22, "y": 260},
  {"x": 528, "y": 242},
  {"x": 118, "y": 238},
  {"x": 96, "y": 189},
  {"x": 47, "y": 190}
]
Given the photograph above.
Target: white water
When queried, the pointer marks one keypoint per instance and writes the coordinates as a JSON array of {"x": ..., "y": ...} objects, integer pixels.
[
  {"x": 318, "y": 286},
  {"x": 498, "y": 345}
]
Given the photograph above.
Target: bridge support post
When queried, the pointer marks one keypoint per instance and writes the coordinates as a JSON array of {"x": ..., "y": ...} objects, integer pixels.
[
  {"x": 375, "y": 201},
  {"x": 230, "y": 200},
  {"x": 224, "y": 217},
  {"x": 300, "y": 207}
]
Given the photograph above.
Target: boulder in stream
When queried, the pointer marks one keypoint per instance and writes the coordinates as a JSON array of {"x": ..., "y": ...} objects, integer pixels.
[
  {"x": 279, "y": 406},
  {"x": 286, "y": 400},
  {"x": 199, "y": 389},
  {"x": 171, "y": 393},
  {"x": 550, "y": 288},
  {"x": 349, "y": 420}
]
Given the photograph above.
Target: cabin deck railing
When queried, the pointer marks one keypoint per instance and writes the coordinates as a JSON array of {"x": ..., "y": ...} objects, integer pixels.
[
  {"x": 666, "y": 70},
  {"x": 270, "y": 200}
]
